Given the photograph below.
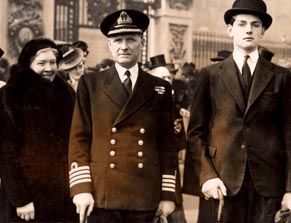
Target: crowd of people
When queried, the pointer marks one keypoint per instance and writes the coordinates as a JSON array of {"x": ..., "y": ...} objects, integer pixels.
[{"x": 103, "y": 144}]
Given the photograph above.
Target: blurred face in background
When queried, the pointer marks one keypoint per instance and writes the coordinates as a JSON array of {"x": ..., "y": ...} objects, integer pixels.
[
  {"x": 162, "y": 72},
  {"x": 126, "y": 48},
  {"x": 44, "y": 63},
  {"x": 76, "y": 72}
]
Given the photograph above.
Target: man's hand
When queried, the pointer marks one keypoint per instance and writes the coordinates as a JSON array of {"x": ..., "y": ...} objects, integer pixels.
[
  {"x": 286, "y": 201},
  {"x": 211, "y": 188},
  {"x": 84, "y": 205},
  {"x": 26, "y": 212},
  {"x": 166, "y": 208}
]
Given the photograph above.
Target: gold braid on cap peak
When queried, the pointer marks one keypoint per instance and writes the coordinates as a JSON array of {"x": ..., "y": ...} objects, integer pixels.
[{"x": 124, "y": 18}]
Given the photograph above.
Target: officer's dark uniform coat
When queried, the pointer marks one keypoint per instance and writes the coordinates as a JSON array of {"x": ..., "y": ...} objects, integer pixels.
[{"x": 121, "y": 150}]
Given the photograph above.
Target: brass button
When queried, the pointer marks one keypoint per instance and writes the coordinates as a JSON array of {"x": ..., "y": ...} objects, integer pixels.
[
  {"x": 112, "y": 153},
  {"x": 114, "y": 129},
  {"x": 112, "y": 165},
  {"x": 142, "y": 131},
  {"x": 112, "y": 141},
  {"x": 140, "y": 142},
  {"x": 140, "y": 154},
  {"x": 140, "y": 165}
]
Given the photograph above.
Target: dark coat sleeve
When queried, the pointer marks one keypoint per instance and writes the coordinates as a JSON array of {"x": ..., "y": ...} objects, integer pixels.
[
  {"x": 198, "y": 167},
  {"x": 11, "y": 170}
]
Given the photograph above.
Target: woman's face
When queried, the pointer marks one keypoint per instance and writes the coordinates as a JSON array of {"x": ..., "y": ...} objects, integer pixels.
[
  {"x": 45, "y": 64},
  {"x": 77, "y": 71}
]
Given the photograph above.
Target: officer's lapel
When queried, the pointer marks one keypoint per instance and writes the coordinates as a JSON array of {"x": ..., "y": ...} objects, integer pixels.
[
  {"x": 114, "y": 89},
  {"x": 142, "y": 91}
]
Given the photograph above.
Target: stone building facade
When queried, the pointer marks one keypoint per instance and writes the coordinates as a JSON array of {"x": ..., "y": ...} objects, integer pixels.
[{"x": 173, "y": 23}]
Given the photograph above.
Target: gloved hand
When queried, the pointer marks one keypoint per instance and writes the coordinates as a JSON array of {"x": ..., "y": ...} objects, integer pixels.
[
  {"x": 211, "y": 188},
  {"x": 286, "y": 201},
  {"x": 165, "y": 208},
  {"x": 84, "y": 205},
  {"x": 26, "y": 212}
]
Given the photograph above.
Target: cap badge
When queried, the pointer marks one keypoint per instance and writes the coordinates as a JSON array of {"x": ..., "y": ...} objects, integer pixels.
[{"x": 124, "y": 18}]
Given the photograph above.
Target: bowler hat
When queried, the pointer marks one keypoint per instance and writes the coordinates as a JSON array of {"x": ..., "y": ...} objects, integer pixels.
[
  {"x": 253, "y": 7},
  {"x": 158, "y": 61},
  {"x": 221, "y": 55},
  {"x": 124, "y": 21},
  {"x": 265, "y": 53},
  {"x": 71, "y": 59}
]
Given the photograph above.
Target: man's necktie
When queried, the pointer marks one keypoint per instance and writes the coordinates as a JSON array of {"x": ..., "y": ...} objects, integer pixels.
[
  {"x": 246, "y": 73},
  {"x": 127, "y": 83}
]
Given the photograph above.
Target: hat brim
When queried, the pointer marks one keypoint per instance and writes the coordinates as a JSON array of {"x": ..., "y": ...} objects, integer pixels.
[
  {"x": 265, "y": 17},
  {"x": 64, "y": 65},
  {"x": 174, "y": 71},
  {"x": 215, "y": 59}
]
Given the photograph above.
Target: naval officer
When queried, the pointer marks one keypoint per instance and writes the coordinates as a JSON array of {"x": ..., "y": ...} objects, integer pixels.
[{"x": 121, "y": 154}]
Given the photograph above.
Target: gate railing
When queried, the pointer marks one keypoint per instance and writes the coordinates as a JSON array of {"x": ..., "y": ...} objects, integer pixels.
[{"x": 206, "y": 45}]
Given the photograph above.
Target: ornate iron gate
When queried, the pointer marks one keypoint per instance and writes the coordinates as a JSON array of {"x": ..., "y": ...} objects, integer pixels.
[{"x": 66, "y": 20}]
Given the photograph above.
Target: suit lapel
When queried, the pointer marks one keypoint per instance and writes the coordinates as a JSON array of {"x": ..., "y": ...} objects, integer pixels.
[
  {"x": 113, "y": 87},
  {"x": 262, "y": 76},
  {"x": 142, "y": 91},
  {"x": 228, "y": 74}
]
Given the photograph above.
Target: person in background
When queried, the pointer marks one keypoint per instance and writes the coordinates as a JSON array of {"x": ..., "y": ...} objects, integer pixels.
[
  {"x": 123, "y": 162},
  {"x": 190, "y": 72},
  {"x": 265, "y": 53},
  {"x": 182, "y": 104},
  {"x": 159, "y": 68},
  {"x": 73, "y": 65},
  {"x": 83, "y": 46},
  {"x": 36, "y": 110},
  {"x": 106, "y": 64},
  {"x": 239, "y": 144},
  {"x": 221, "y": 55},
  {"x": 4, "y": 69}
]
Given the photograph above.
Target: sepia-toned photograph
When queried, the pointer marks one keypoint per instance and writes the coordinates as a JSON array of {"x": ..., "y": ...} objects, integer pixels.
[{"x": 145, "y": 111}]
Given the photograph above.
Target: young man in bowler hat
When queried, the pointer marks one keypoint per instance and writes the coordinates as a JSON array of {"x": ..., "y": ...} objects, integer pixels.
[
  {"x": 239, "y": 133},
  {"x": 122, "y": 155}
]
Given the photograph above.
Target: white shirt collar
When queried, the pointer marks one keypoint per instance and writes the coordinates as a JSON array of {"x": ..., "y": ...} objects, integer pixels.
[
  {"x": 252, "y": 61},
  {"x": 133, "y": 73}
]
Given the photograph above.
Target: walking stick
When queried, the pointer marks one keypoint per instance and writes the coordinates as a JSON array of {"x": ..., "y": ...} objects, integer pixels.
[{"x": 220, "y": 207}]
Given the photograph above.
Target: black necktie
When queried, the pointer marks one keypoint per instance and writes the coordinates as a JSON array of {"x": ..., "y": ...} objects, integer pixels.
[
  {"x": 127, "y": 83},
  {"x": 246, "y": 73}
]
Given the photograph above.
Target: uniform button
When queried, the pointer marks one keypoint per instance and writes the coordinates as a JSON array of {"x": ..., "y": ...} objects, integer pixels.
[
  {"x": 112, "y": 153},
  {"x": 140, "y": 154},
  {"x": 114, "y": 129},
  {"x": 112, "y": 165},
  {"x": 140, "y": 165},
  {"x": 140, "y": 142},
  {"x": 243, "y": 147},
  {"x": 142, "y": 131},
  {"x": 112, "y": 141}
]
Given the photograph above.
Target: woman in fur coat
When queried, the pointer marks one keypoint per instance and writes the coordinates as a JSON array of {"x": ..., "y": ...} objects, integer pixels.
[{"x": 36, "y": 109}]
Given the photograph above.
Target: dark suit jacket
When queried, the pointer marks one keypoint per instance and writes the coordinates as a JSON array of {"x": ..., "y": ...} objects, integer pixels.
[
  {"x": 128, "y": 146},
  {"x": 227, "y": 133}
]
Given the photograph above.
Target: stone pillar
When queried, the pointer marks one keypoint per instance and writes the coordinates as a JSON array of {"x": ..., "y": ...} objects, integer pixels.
[
  {"x": 170, "y": 31},
  {"x": 3, "y": 26},
  {"x": 24, "y": 21}
]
